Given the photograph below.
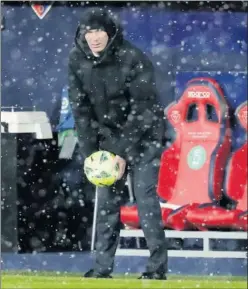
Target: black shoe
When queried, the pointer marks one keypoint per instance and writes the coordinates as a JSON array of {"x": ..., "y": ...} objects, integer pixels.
[
  {"x": 92, "y": 274},
  {"x": 154, "y": 276}
]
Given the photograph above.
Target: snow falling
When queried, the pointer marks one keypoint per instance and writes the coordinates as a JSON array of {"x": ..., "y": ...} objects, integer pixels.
[{"x": 48, "y": 203}]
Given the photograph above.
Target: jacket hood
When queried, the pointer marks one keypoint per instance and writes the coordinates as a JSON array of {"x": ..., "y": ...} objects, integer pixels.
[{"x": 95, "y": 18}]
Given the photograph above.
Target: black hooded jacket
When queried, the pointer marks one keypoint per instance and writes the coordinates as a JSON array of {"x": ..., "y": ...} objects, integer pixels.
[{"x": 113, "y": 97}]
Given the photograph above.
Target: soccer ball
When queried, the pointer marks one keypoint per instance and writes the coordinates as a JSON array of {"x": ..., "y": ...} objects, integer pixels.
[{"x": 99, "y": 170}]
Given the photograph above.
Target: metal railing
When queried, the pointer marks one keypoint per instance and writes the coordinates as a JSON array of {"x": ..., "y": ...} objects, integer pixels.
[{"x": 206, "y": 236}]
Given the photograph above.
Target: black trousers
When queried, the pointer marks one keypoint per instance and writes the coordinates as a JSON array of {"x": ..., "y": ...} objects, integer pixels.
[{"x": 144, "y": 176}]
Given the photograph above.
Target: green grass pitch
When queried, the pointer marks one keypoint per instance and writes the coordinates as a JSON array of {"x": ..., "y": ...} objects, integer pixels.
[{"x": 54, "y": 280}]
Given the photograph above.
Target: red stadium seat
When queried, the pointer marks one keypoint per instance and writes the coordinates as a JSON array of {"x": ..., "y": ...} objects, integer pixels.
[
  {"x": 236, "y": 172},
  {"x": 235, "y": 188},
  {"x": 190, "y": 172},
  {"x": 191, "y": 169}
]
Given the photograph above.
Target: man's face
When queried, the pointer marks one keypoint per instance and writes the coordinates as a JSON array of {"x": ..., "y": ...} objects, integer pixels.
[{"x": 97, "y": 40}]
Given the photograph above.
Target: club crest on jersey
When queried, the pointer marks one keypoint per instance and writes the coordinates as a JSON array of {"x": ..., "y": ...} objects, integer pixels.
[{"x": 41, "y": 10}]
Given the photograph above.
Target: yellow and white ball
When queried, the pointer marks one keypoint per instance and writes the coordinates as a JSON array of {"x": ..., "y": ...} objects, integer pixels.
[{"x": 99, "y": 169}]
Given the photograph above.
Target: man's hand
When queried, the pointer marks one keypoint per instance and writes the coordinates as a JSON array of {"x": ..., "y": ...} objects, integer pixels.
[{"x": 122, "y": 166}]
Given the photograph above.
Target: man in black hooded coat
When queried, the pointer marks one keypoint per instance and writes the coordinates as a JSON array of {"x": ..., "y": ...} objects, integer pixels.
[{"x": 114, "y": 102}]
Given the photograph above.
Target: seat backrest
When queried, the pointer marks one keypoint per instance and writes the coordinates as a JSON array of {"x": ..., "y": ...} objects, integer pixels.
[
  {"x": 236, "y": 171},
  {"x": 191, "y": 168}
]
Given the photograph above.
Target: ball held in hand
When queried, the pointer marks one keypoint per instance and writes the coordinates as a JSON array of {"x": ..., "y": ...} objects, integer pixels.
[{"x": 99, "y": 170}]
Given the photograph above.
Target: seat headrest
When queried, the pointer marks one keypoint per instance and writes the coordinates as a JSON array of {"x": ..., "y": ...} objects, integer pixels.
[
  {"x": 242, "y": 114},
  {"x": 202, "y": 92}
]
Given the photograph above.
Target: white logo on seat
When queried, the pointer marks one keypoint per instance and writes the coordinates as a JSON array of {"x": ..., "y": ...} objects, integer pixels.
[
  {"x": 175, "y": 116},
  {"x": 197, "y": 157},
  {"x": 244, "y": 115},
  {"x": 198, "y": 94}
]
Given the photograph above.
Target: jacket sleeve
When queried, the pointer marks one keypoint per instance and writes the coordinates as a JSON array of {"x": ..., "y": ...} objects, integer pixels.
[
  {"x": 143, "y": 104},
  {"x": 83, "y": 115}
]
